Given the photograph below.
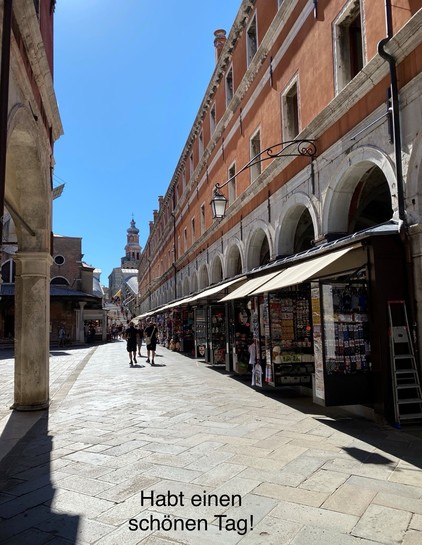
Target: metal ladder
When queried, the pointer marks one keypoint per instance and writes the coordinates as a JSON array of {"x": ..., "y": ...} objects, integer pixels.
[{"x": 407, "y": 392}]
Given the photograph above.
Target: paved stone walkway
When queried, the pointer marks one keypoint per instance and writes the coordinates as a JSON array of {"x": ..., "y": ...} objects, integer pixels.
[{"x": 183, "y": 454}]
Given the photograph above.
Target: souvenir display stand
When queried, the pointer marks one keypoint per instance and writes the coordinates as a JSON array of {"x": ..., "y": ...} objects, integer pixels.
[
  {"x": 346, "y": 345},
  {"x": 218, "y": 338},
  {"x": 287, "y": 339}
]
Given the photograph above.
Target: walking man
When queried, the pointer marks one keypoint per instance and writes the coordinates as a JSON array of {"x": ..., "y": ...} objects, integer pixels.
[{"x": 130, "y": 336}]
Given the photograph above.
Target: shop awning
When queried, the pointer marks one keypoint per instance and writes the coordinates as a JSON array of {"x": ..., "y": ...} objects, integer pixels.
[
  {"x": 203, "y": 294},
  {"x": 142, "y": 316},
  {"x": 319, "y": 266},
  {"x": 216, "y": 289},
  {"x": 249, "y": 286},
  {"x": 176, "y": 303}
]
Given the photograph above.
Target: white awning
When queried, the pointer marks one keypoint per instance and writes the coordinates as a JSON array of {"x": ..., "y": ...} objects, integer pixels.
[
  {"x": 320, "y": 266},
  {"x": 203, "y": 294},
  {"x": 248, "y": 287},
  {"x": 176, "y": 303},
  {"x": 142, "y": 316},
  {"x": 216, "y": 289}
]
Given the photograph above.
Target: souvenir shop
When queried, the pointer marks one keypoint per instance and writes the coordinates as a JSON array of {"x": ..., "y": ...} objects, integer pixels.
[
  {"x": 198, "y": 325},
  {"x": 175, "y": 324},
  {"x": 224, "y": 333},
  {"x": 320, "y": 324},
  {"x": 212, "y": 329}
]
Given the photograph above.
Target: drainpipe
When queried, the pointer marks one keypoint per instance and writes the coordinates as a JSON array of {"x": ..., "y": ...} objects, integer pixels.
[
  {"x": 4, "y": 102},
  {"x": 395, "y": 109}
]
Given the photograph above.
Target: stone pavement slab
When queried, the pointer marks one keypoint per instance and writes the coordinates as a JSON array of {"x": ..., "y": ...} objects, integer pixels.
[{"x": 104, "y": 464}]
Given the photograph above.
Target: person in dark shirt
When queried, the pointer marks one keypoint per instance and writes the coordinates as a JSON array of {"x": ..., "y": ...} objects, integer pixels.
[
  {"x": 139, "y": 338},
  {"x": 151, "y": 341},
  {"x": 130, "y": 336}
]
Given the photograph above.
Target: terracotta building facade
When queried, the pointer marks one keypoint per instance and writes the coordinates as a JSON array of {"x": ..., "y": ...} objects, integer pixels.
[
  {"x": 310, "y": 126},
  {"x": 76, "y": 296}
]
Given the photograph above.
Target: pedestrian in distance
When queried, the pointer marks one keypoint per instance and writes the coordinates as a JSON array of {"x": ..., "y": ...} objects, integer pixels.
[
  {"x": 130, "y": 336},
  {"x": 139, "y": 338},
  {"x": 151, "y": 341},
  {"x": 62, "y": 335}
]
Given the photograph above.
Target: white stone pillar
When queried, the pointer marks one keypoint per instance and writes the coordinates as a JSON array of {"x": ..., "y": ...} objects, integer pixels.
[{"x": 32, "y": 330}]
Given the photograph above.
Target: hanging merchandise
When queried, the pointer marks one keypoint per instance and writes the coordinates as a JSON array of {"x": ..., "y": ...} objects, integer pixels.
[
  {"x": 346, "y": 329},
  {"x": 200, "y": 333},
  {"x": 218, "y": 334},
  {"x": 346, "y": 346},
  {"x": 242, "y": 339},
  {"x": 288, "y": 337},
  {"x": 258, "y": 375}
]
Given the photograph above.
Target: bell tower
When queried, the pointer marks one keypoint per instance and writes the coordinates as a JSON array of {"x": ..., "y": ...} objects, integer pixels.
[{"x": 132, "y": 248}]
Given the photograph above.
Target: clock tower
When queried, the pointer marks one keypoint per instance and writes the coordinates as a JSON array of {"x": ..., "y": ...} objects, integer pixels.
[{"x": 133, "y": 249}]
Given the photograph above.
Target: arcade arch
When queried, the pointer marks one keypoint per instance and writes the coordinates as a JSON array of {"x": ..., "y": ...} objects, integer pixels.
[
  {"x": 362, "y": 195},
  {"x": 186, "y": 286},
  {"x": 203, "y": 277},
  {"x": 259, "y": 252},
  {"x": 216, "y": 270},
  {"x": 194, "y": 283},
  {"x": 298, "y": 226},
  {"x": 234, "y": 265}
]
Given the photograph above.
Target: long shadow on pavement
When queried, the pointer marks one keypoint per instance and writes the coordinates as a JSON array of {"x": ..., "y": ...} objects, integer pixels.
[
  {"x": 28, "y": 491},
  {"x": 404, "y": 443}
]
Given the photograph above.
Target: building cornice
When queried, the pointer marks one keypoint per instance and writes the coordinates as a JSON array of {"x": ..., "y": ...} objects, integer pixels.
[{"x": 400, "y": 46}]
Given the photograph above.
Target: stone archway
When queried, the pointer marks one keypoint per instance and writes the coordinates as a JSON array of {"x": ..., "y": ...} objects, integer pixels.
[
  {"x": 371, "y": 201},
  {"x": 297, "y": 226},
  {"x": 234, "y": 264},
  {"x": 203, "y": 278},
  {"x": 304, "y": 234},
  {"x": 194, "y": 283},
  {"x": 28, "y": 198},
  {"x": 186, "y": 286},
  {"x": 259, "y": 252},
  {"x": 216, "y": 270},
  {"x": 362, "y": 195}
]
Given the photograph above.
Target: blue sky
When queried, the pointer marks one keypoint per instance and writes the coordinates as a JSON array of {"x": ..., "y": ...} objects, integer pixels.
[{"x": 129, "y": 79}]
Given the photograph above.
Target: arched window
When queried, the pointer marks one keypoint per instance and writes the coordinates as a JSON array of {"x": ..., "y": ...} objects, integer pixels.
[{"x": 59, "y": 281}]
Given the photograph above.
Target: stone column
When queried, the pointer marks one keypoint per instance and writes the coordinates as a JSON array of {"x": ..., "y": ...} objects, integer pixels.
[
  {"x": 415, "y": 232},
  {"x": 81, "y": 330},
  {"x": 105, "y": 325},
  {"x": 32, "y": 330}
]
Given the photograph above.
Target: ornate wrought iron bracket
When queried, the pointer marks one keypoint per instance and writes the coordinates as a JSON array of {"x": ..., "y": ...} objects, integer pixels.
[{"x": 290, "y": 148}]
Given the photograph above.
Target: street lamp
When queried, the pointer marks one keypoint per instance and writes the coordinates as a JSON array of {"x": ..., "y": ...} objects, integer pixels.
[
  {"x": 219, "y": 202},
  {"x": 290, "y": 148}
]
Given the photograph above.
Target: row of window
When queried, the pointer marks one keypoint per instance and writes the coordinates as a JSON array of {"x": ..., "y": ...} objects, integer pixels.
[
  {"x": 348, "y": 59},
  {"x": 252, "y": 47}
]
